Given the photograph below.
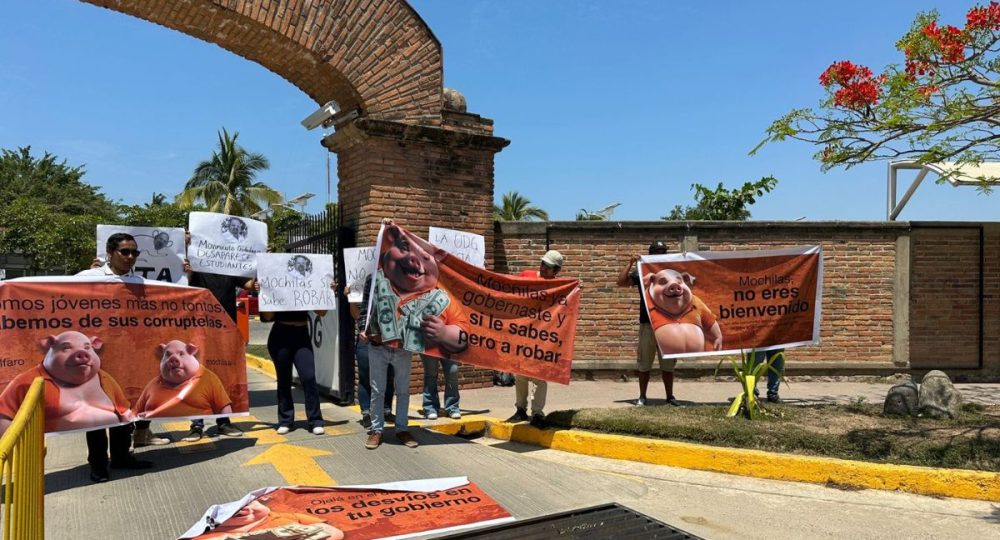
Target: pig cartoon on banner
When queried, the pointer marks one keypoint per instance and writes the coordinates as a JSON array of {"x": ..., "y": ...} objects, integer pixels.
[
  {"x": 112, "y": 351},
  {"x": 712, "y": 303},
  {"x": 428, "y": 301}
]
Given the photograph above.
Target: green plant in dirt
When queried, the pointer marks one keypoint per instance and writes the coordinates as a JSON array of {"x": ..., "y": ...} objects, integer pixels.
[{"x": 748, "y": 373}]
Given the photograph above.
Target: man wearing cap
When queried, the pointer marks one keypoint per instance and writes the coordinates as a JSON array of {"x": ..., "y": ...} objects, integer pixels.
[
  {"x": 629, "y": 277},
  {"x": 549, "y": 268}
]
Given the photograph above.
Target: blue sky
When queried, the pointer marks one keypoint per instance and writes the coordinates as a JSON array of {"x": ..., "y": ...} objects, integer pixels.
[{"x": 604, "y": 101}]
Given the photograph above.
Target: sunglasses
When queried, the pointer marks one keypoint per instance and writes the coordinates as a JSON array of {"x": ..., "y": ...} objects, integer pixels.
[{"x": 129, "y": 252}]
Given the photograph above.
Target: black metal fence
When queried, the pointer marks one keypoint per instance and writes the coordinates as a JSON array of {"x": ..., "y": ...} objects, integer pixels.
[{"x": 314, "y": 234}]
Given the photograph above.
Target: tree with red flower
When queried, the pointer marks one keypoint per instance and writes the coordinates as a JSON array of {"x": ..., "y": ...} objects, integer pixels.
[{"x": 942, "y": 105}]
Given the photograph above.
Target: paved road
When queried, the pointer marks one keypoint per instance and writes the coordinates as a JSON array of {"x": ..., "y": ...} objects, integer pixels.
[{"x": 528, "y": 481}]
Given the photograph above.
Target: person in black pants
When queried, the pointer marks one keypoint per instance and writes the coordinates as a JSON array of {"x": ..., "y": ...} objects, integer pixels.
[{"x": 289, "y": 344}]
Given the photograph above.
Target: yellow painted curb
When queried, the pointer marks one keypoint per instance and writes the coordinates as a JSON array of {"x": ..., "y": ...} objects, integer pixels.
[
  {"x": 262, "y": 365},
  {"x": 911, "y": 479}
]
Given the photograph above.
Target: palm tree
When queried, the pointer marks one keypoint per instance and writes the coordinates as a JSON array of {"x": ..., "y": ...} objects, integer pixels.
[
  {"x": 516, "y": 207},
  {"x": 226, "y": 182}
]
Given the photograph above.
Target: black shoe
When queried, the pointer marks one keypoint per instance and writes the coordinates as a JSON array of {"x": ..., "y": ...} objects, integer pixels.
[
  {"x": 773, "y": 398},
  {"x": 671, "y": 400},
  {"x": 366, "y": 420},
  {"x": 132, "y": 463},
  {"x": 538, "y": 421},
  {"x": 389, "y": 417},
  {"x": 230, "y": 430},
  {"x": 99, "y": 474},
  {"x": 520, "y": 416}
]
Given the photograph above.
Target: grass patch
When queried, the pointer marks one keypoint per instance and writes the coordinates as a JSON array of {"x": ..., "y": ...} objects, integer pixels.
[
  {"x": 258, "y": 350},
  {"x": 856, "y": 431}
]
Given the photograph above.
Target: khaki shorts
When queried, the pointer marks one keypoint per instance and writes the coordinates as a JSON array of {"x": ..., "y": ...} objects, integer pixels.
[{"x": 648, "y": 352}]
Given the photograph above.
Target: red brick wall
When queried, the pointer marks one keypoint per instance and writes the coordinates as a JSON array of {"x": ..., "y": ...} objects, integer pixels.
[{"x": 859, "y": 269}]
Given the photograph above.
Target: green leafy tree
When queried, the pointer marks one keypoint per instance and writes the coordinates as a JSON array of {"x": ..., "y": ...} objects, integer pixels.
[
  {"x": 516, "y": 207},
  {"x": 227, "y": 182},
  {"x": 721, "y": 203},
  {"x": 156, "y": 213},
  {"x": 942, "y": 104},
  {"x": 587, "y": 215},
  {"x": 48, "y": 213}
]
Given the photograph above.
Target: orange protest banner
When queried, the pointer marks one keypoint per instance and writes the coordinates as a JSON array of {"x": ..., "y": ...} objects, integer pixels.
[
  {"x": 428, "y": 301},
  {"x": 358, "y": 513},
  {"x": 711, "y": 303},
  {"x": 113, "y": 352}
]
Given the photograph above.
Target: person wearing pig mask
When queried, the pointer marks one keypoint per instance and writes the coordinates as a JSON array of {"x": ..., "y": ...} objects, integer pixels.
[
  {"x": 681, "y": 322},
  {"x": 411, "y": 314},
  {"x": 184, "y": 387}
]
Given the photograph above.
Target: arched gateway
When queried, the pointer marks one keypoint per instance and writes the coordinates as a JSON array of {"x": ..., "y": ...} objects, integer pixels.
[{"x": 409, "y": 153}]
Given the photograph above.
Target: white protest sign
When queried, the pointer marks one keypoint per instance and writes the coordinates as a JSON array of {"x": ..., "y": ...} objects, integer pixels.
[
  {"x": 325, "y": 333},
  {"x": 467, "y": 246},
  {"x": 161, "y": 250},
  {"x": 359, "y": 263},
  {"x": 227, "y": 245},
  {"x": 295, "y": 282}
]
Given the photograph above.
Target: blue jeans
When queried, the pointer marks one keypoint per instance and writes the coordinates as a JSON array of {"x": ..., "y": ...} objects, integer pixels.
[
  {"x": 773, "y": 381},
  {"x": 380, "y": 358},
  {"x": 365, "y": 381},
  {"x": 431, "y": 402}
]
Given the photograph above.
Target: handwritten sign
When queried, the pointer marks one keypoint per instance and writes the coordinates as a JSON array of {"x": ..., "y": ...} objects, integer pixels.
[
  {"x": 467, "y": 246},
  {"x": 295, "y": 281},
  {"x": 227, "y": 245},
  {"x": 359, "y": 263},
  {"x": 162, "y": 250}
]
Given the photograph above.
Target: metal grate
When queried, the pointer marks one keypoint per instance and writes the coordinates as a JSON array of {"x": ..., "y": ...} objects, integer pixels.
[{"x": 607, "y": 521}]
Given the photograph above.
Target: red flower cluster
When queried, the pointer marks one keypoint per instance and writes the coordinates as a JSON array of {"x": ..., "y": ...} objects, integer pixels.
[
  {"x": 983, "y": 17},
  {"x": 949, "y": 40},
  {"x": 858, "y": 88}
]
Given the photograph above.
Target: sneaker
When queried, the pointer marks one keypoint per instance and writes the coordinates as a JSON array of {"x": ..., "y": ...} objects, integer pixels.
[
  {"x": 194, "y": 435},
  {"x": 671, "y": 400},
  {"x": 145, "y": 437},
  {"x": 538, "y": 421},
  {"x": 455, "y": 415},
  {"x": 391, "y": 418},
  {"x": 520, "y": 416},
  {"x": 407, "y": 439},
  {"x": 283, "y": 430},
  {"x": 132, "y": 463},
  {"x": 431, "y": 415},
  {"x": 230, "y": 430},
  {"x": 318, "y": 430},
  {"x": 374, "y": 440},
  {"x": 773, "y": 398},
  {"x": 641, "y": 402},
  {"x": 366, "y": 420}
]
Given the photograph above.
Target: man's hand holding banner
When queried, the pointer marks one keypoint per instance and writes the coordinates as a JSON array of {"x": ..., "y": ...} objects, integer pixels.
[
  {"x": 428, "y": 301},
  {"x": 712, "y": 303}
]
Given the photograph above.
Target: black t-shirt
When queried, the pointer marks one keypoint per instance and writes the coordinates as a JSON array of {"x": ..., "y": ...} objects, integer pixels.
[
  {"x": 643, "y": 315},
  {"x": 223, "y": 288}
]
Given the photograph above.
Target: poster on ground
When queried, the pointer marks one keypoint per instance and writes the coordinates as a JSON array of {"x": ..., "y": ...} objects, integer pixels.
[
  {"x": 112, "y": 352},
  {"x": 724, "y": 302},
  {"x": 295, "y": 282},
  {"x": 428, "y": 301},
  {"x": 393, "y": 510},
  {"x": 223, "y": 244},
  {"x": 359, "y": 263},
  {"x": 470, "y": 247},
  {"x": 161, "y": 250}
]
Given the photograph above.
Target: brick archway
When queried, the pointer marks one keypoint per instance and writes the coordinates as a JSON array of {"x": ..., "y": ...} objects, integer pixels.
[{"x": 376, "y": 55}]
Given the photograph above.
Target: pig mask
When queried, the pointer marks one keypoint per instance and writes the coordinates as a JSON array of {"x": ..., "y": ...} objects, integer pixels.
[
  {"x": 72, "y": 357},
  {"x": 177, "y": 361},
  {"x": 670, "y": 291},
  {"x": 408, "y": 266}
]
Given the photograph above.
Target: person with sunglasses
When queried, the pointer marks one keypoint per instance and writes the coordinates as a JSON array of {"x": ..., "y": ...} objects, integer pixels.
[{"x": 122, "y": 252}]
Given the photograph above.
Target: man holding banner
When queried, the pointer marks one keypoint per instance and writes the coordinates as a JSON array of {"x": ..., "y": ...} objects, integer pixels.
[{"x": 122, "y": 253}]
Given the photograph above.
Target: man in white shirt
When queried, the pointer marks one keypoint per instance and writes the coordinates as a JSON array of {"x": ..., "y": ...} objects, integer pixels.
[{"x": 122, "y": 252}]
